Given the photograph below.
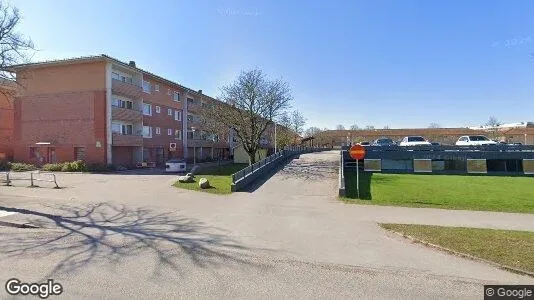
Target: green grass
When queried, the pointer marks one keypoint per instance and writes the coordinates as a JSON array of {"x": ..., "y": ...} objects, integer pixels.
[
  {"x": 506, "y": 247},
  {"x": 220, "y": 178},
  {"x": 489, "y": 193}
]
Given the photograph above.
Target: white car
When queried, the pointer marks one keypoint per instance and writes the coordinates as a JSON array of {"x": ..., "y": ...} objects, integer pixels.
[
  {"x": 175, "y": 165},
  {"x": 474, "y": 140},
  {"x": 414, "y": 141}
]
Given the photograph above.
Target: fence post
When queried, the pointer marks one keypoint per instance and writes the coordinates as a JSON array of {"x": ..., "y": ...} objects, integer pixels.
[
  {"x": 8, "y": 182},
  {"x": 31, "y": 179}
]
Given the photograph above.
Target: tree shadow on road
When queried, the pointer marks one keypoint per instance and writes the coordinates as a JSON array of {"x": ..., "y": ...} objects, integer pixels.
[{"x": 106, "y": 233}]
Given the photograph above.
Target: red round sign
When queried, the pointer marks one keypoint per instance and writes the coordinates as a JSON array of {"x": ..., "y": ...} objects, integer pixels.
[{"x": 357, "y": 152}]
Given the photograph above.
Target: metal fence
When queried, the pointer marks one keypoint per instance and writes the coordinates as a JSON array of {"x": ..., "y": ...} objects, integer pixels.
[
  {"x": 243, "y": 177},
  {"x": 32, "y": 177},
  {"x": 447, "y": 152}
]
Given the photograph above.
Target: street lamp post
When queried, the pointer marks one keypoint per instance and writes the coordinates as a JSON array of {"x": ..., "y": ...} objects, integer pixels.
[
  {"x": 193, "y": 129},
  {"x": 275, "y": 138}
]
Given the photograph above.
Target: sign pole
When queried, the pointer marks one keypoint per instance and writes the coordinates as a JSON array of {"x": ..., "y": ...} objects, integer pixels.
[
  {"x": 358, "y": 178},
  {"x": 357, "y": 152}
]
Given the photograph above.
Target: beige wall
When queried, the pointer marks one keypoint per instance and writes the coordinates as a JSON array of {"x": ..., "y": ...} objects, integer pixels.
[
  {"x": 241, "y": 156},
  {"x": 89, "y": 76}
]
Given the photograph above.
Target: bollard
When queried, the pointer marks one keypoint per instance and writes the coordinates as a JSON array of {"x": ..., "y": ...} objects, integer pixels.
[
  {"x": 8, "y": 182},
  {"x": 31, "y": 179}
]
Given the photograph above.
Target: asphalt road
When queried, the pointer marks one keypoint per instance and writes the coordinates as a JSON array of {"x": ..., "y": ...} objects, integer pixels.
[{"x": 134, "y": 236}]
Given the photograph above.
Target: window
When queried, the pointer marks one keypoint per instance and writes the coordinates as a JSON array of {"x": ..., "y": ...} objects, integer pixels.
[
  {"x": 190, "y": 101},
  {"x": 147, "y": 131},
  {"x": 147, "y": 109},
  {"x": 169, "y": 112},
  {"x": 176, "y": 96},
  {"x": 122, "y": 103},
  {"x": 156, "y": 87},
  {"x": 116, "y": 127},
  {"x": 169, "y": 131},
  {"x": 177, "y": 134},
  {"x": 158, "y": 130},
  {"x": 158, "y": 109},
  {"x": 178, "y": 115},
  {"x": 169, "y": 92},
  {"x": 79, "y": 153},
  {"x": 126, "y": 129},
  {"x": 147, "y": 87},
  {"x": 123, "y": 78}
]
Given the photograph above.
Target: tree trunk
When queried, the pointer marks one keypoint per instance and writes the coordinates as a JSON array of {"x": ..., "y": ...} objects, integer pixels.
[{"x": 252, "y": 157}]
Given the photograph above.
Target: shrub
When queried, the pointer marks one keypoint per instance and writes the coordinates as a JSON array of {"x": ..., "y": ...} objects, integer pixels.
[
  {"x": 21, "y": 167},
  {"x": 65, "y": 167},
  {"x": 77, "y": 166},
  {"x": 52, "y": 167}
]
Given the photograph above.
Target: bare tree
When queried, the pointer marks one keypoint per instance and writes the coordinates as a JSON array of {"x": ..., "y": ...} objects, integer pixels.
[
  {"x": 340, "y": 127},
  {"x": 312, "y": 131},
  {"x": 386, "y": 127},
  {"x": 249, "y": 105},
  {"x": 434, "y": 125},
  {"x": 14, "y": 47},
  {"x": 493, "y": 122},
  {"x": 284, "y": 135},
  {"x": 369, "y": 127},
  {"x": 493, "y": 125},
  {"x": 354, "y": 127},
  {"x": 297, "y": 122}
]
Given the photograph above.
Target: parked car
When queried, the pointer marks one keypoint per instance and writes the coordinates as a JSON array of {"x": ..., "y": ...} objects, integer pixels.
[
  {"x": 175, "y": 165},
  {"x": 474, "y": 140},
  {"x": 413, "y": 141},
  {"x": 364, "y": 143},
  {"x": 383, "y": 142},
  {"x": 435, "y": 144}
]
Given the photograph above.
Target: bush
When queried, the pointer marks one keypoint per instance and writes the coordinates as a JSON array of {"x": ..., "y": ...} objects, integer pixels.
[
  {"x": 21, "y": 167},
  {"x": 52, "y": 167},
  {"x": 77, "y": 166}
]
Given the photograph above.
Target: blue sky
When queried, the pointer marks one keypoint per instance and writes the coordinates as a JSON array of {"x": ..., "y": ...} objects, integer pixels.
[{"x": 399, "y": 63}]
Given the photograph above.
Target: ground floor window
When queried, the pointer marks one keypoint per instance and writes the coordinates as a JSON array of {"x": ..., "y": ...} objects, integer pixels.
[{"x": 79, "y": 153}]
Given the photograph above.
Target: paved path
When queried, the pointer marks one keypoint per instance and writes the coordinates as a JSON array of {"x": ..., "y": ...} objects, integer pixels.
[{"x": 135, "y": 236}]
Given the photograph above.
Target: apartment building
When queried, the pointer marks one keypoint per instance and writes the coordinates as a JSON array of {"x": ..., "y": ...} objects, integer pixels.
[
  {"x": 102, "y": 110},
  {"x": 6, "y": 120}
]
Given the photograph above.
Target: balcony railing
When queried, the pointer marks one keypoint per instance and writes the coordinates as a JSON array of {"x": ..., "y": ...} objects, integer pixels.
[
  {"x": 130, "y": 90},
  {"x": 126, "y": 114},
  {"x": 119, "y": 139}
]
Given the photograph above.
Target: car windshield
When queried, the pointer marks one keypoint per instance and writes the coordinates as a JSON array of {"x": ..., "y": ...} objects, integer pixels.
[
  {"x": 384, "y": 141},
  {"x": 478, "y": 138},
  {"x": 416, "y": 139}
]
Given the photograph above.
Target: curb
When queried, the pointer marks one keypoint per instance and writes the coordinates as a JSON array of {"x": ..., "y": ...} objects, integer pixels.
[{"x": 460, "y": 254}]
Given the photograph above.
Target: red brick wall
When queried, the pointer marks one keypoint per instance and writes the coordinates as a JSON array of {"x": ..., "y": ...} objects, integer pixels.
[
  {"x": 6, "y": 126},
  {"x": 66, "y": 120},
  {"x": 162, "y": 119}
]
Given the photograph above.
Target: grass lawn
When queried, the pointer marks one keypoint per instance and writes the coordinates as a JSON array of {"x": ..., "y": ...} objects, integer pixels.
[
  {"x": 506, "y": 247},
  {"x": 491, "y": 193},
  {"x": 220, "y": 178}
]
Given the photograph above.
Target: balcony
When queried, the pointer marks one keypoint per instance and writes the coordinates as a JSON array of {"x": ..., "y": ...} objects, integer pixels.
[
  {"x": 126, "y": 114},
  {"x": 130, "y": 90},
  {"x": 127, "y": 139}
]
